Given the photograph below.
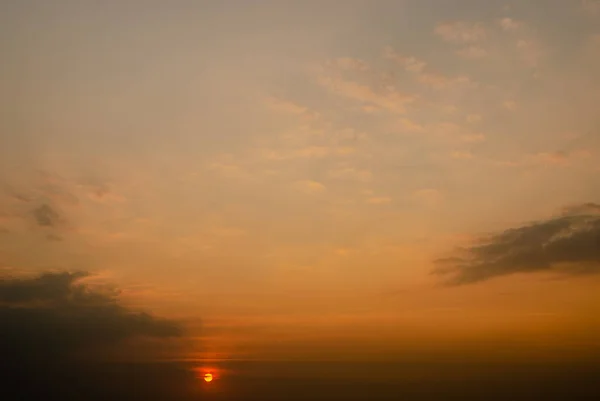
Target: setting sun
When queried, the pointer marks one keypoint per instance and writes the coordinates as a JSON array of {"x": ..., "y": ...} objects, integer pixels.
[{"x": 208, "y": 377}]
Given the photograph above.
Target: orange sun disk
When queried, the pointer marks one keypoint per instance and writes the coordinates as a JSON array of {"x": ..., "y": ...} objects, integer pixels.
[{"x": 208, "y": 377}]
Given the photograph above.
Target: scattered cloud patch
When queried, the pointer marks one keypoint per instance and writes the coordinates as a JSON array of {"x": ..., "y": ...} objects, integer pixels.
[
  {"x": 473, "y": 138},
  {"x": 348, "y": 63},
  {"x": 462, "y": 155},
  {"x": 530, "y": 51},
  {"x": 474, "y": 118},
  {"x": 560, "y": 158},
  {"x": 472, "y": 52},
  {"x": 460, "y": 32},
  {"x": 46, "y": 216},
  {"x": 388, "y": 99},
  {"x": 509, "y": 25},
  {"x": 309, "y": 186},
  {"x": 423, "y": 73},
  {"x": 569, "y": 243},
  {"x": 350, "y": 173},
  {"x": 285, "y": 106},
  {"x": 379, "y": 200}
]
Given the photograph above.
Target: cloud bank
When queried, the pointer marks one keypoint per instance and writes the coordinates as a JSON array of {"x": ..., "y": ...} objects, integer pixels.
[
  {"x": 568, "y": 243},
  {"x": 53, "y": 325}
]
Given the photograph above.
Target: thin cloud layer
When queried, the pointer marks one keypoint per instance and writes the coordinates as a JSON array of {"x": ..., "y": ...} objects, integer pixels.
[{"x": 569, "y": 243}]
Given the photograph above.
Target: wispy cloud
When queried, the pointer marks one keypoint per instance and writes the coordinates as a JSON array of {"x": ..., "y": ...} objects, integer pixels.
[
  {"x": 289, "y": 107},
  {"x": 423, "y": 73},
  {"x": 459, "y": 32},
  {"x": 389, "y": 99},
  {"x": 462, "y": 155},
  {"x": 348, "y": 63},
  {"x": 531, "y": 51},
  {"x": 309, "y": 186},
  {"x": 350, "y": 173},
  {"x": 379, "y": 200},
  {"x": 472, "y": 52},
  {"x": 509, "y": 24}
]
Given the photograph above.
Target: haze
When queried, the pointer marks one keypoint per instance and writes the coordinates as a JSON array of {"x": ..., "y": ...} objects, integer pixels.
[{"x": 315, "y": 186}]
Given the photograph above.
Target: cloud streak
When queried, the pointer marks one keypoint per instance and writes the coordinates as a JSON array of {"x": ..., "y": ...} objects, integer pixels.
[{"x": 569, "y": 243}]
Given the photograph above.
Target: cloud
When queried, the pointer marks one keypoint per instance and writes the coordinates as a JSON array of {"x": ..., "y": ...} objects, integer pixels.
[
  {"x": 350, "y": 173},
  {"x": 460, "y": 32},
  {"x": 568, "y": 243},
  {"x": 531, "y": 51},
  {"x": 473, "y": 138},
  {"x": 474, "y": 118},
  {"x": 350, "y": 64},
  {"x": 509, "y": 24},
  {"x": 100, "y": 192},
  {"x": 289, "y": 107},
  {"x": 51, "y": 326},
  {"x": 379, "y": 200},
  {"x": 472, "y": 52},
  {"x": 462, "y": 155},
  {"x": 228, "y": 168},
  {"x": 309, "y": 152},
  {"x": 388, "y": 99},
  {"x": 552, "y": 158},
  {"x": 309, "y": 186},
  {"x": 78, "y": 316},
  {"x": 421, "y": 71},
  {"x": 46, "y": 216}
]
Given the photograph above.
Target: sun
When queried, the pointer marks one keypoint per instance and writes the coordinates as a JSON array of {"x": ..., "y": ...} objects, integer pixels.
[{"x": 208, "y": 377}]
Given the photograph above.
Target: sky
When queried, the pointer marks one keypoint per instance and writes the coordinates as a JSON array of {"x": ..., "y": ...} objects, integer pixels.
[{"x": 303, "y": 180}]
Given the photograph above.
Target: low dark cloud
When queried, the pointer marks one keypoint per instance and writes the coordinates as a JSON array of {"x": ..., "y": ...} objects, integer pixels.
[
  {"x": 53, "y": 327},
  {"x": 46, "y": 216},
  {"x": 568, "y": 243}
]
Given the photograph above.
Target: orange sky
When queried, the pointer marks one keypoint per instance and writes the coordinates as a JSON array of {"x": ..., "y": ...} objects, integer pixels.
[{"x": 288, "y": 173}]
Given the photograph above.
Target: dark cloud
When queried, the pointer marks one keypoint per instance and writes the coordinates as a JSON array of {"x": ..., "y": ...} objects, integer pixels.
[
  {"x": 70, "y": 317},
  {"x": 46, "y": 216},
  {"x": 53, "y": 327},
  {"x": 569, "y": 243}
]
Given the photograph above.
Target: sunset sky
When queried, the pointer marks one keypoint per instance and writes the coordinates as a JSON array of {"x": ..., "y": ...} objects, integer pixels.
[{"x": 313, "y": 179}]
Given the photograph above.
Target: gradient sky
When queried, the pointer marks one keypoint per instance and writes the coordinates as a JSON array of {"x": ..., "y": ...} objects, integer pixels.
[{"x": 288, "y": 172}]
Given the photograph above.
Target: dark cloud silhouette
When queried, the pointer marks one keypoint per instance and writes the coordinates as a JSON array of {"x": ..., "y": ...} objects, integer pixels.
[
  {"x": 569, "y": 243},
  {"x": 53, "y": 323},
  {"x": 46, "y": 216},
  {"x": 69, "y": 317}
]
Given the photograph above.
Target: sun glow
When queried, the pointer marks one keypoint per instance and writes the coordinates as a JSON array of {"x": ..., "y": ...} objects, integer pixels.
[{"x": 208, "y": 377}]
